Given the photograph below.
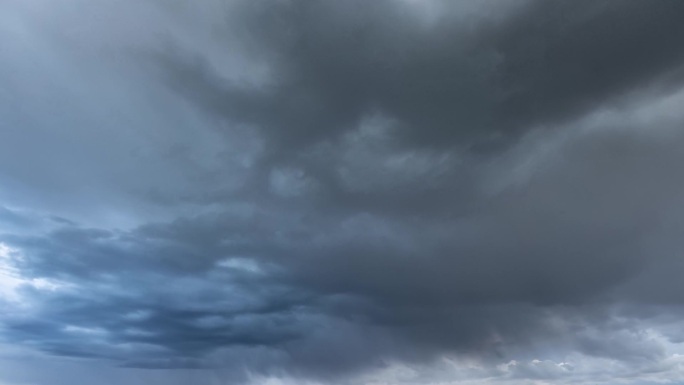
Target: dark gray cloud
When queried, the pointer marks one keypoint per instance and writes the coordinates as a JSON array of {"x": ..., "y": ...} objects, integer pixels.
[
  {"x": 446, "y": 81},
  {"x": 344, "y": 192}
]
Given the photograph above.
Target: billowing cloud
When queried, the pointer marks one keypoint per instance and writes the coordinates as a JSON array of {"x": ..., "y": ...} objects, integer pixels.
[{"x": 326, "y": 192}]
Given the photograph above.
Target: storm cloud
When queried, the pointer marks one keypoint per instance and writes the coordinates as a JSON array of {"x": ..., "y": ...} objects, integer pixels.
[{"x": 341, "y": 192}]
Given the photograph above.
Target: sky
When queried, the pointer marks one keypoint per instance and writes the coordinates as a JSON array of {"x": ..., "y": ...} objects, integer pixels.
[{"x": 341, "y": 192}]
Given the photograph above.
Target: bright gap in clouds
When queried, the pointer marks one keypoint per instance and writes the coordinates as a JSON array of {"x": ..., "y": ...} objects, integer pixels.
[{"x": 11, "y": 280}]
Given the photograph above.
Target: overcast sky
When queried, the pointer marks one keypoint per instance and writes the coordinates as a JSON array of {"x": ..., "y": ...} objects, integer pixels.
[{"x": 341, "y": 192}]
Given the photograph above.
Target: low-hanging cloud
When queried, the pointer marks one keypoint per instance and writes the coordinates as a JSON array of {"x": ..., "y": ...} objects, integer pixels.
[{"x": 342, "y": 192}]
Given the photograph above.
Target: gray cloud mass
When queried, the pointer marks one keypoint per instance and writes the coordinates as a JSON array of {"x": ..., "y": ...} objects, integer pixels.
[{"x": 341, "y": 192}]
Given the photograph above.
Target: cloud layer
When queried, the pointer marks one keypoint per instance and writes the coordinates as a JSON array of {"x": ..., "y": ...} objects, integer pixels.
[{"x": 395, "y": 192}]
